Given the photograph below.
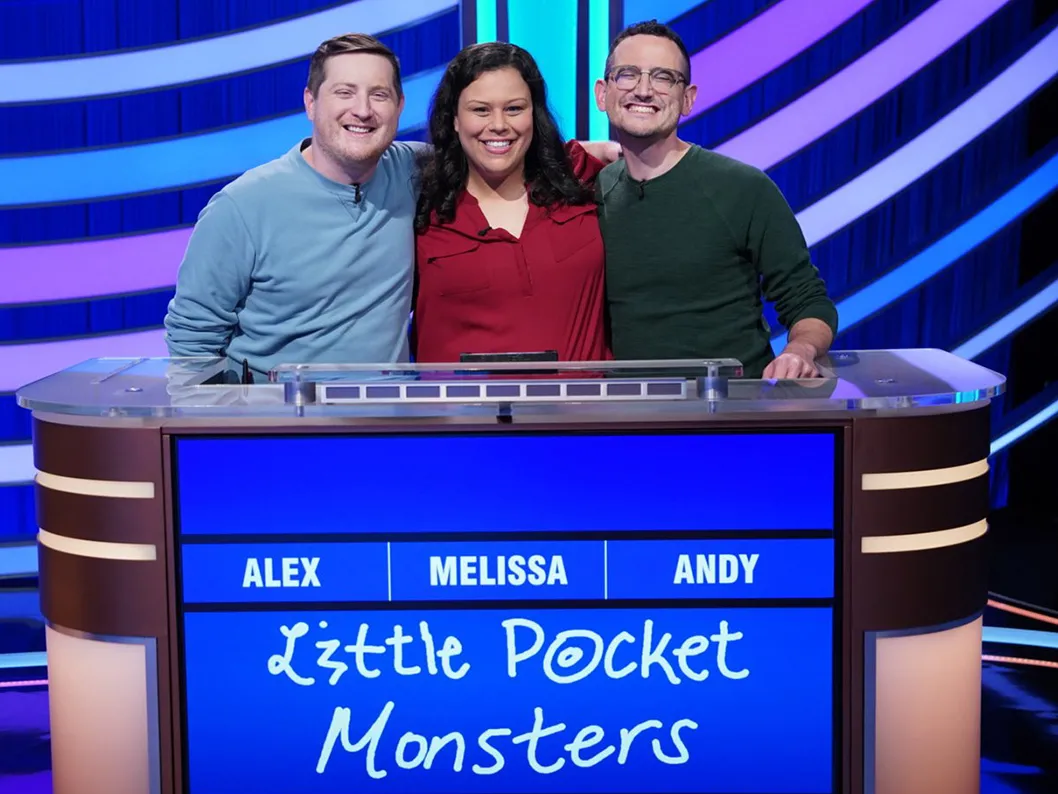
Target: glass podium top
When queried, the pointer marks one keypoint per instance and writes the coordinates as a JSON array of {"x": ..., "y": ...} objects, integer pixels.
[{"x": 871, "y": 380}]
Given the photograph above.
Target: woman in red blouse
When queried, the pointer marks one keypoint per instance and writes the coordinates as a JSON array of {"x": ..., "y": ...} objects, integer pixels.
[{"x": 509, "y": 257}]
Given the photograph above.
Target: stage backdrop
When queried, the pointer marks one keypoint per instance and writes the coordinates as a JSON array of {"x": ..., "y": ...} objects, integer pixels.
[{"x": 901, "y": 131}]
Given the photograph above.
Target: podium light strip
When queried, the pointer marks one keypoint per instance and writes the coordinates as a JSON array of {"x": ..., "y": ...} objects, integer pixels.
[
  {"x": 508, "y": 391},
  {"x": 207, "y": 58},
  {"x": 1041, "y": 417},
  {"x": 916, "y": 271},
  {"x": 207, "y": 157},
  {"x": 1009, "y": 323},
  {"x": 921, "y": 541},
  {"x": 98, "y": 549},
  {"x": 84, "y": 175},
  {"x": 107, "y": 488},
  {"x": 972, "y": 118},
  {"x": 866, "y": 80},
  {"x": 925, "y": 478},
  {"x": 779, "y": 34}
]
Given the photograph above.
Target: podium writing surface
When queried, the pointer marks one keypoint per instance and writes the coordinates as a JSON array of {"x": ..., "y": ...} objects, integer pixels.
[{"x": 647, "y": 577}]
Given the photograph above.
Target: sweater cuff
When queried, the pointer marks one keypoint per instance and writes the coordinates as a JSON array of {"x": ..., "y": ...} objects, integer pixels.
[{"x": 823, "y": 310}]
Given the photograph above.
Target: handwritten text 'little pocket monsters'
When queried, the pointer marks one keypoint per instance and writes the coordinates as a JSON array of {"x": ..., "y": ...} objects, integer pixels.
[{"x": 569, "y": 656}]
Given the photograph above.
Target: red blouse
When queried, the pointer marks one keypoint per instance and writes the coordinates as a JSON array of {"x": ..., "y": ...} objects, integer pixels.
[{"x": 482, "y": 290}]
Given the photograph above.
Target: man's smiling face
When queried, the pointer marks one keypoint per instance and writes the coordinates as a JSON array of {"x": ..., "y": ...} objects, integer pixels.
[
  {"x": 356, "y": 111},
  {"x": 652, "y": 106}
]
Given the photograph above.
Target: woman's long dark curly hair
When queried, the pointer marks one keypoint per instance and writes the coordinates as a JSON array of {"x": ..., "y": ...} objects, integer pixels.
[{"x": 548, "y": 172}]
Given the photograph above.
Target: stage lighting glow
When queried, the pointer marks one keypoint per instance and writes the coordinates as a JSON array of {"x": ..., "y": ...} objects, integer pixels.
[
  {"x": 916, "y": 271},
  {"x": 1009, "y": 322},
  {"x": 929, "y": 149},
  {"x": 920, "y": 268},
  {"x": 1041, "y": 417}
]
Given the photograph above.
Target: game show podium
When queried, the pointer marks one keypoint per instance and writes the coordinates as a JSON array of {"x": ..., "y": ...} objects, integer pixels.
[{"x": 636, "y": 577}]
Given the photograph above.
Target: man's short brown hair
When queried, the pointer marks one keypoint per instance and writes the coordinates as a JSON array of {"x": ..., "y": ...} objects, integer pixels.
[
  {"x": 341, "y": 45},
  {"x": 651, "y": 28}
]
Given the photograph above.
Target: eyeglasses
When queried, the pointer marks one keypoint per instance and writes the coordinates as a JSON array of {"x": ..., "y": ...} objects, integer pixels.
[{"x": 663, "y": 80}]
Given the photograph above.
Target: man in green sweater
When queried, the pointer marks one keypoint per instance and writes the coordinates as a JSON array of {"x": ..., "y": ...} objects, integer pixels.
[{"x": 693, "y": 239}]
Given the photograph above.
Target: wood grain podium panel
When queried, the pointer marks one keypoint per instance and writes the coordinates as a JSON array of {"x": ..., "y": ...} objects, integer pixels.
[{"x": 942, "y": 578}]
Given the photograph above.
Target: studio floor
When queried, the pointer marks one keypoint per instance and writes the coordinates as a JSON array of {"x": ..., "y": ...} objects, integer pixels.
[{"x": 1019, "y": 736}]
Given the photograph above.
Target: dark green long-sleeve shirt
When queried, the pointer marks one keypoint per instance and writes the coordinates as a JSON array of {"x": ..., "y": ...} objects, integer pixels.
[{"x": 689, "y": 255}]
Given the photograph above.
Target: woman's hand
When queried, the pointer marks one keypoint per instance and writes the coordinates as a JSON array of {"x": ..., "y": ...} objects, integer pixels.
[{"x": 606, "y": 151}]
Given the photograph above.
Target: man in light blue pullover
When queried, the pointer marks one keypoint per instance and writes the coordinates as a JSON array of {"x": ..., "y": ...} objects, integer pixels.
[{"x": 309, "y": 258}]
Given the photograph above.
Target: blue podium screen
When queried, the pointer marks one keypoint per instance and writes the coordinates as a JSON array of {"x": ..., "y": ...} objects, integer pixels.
[{"x": 484, "y": 614}]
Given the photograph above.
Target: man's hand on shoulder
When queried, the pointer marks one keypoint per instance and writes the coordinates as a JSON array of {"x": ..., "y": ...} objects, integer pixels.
[{"x": 606, "y": 151}]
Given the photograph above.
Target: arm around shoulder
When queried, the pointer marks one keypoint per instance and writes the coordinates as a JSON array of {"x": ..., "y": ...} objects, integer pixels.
[
  {"x": 414, "y": 155},
  {"x": 589, "y": 158},
  {"x": 213, "y": 281}
]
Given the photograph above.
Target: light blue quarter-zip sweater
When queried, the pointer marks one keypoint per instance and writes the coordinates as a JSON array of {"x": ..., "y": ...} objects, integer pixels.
[{"x": 287, "y": 266}]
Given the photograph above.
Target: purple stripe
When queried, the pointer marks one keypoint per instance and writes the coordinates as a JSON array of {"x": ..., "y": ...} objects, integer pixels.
[
  {"x": 763, "y": 45},
  {"x": 22, "y": 364},
  {"x": 864, "y": 81},
  {"x": 74, "y": 271}
]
